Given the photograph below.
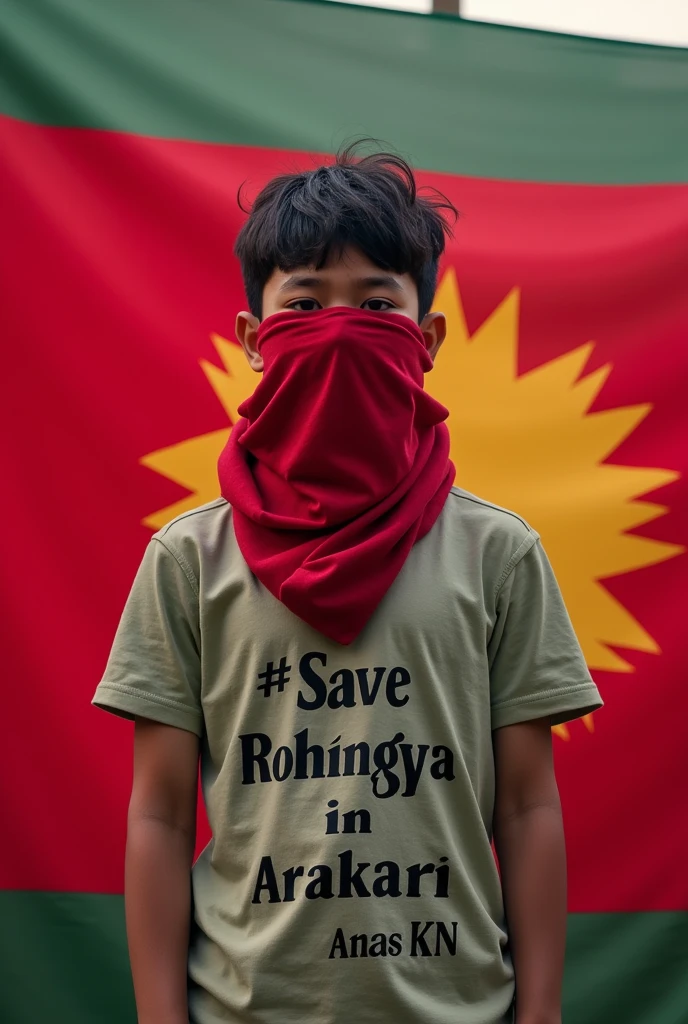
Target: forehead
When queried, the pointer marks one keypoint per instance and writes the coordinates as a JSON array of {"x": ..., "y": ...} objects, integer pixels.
[{"x": 349, "y": 266}]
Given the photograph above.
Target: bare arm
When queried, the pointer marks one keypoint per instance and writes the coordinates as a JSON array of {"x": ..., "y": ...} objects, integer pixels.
[
  {"x": 160, "y": 845},
  {"x": 529, "y": 838}
]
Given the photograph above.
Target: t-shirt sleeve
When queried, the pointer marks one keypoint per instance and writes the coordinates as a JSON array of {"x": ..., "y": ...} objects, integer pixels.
[
  {"x": 537, "y": 668},
  {"x": 154, "y": 668}
]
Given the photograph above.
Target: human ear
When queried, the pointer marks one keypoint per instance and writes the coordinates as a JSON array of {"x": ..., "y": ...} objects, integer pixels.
[
  {"x": 434, "y": 328},
  {"x": 246, "y": 330}
]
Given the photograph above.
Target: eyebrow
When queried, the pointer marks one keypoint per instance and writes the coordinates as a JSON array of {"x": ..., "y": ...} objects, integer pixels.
[
  {"x": 381, "y": 281},
  {"x": 297, "y": 281},
  {"x": 374, "y": 281}
]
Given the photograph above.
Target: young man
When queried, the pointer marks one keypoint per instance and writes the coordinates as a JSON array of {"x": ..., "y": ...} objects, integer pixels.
[{"x": 367, "y": 660}]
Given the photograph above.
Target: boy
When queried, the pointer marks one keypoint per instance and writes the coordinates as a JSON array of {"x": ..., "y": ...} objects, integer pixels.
[{"x": 367, "y": 660}]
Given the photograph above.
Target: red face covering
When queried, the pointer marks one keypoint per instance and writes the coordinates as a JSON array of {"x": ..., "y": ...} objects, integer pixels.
[{"x": 340, "y": 465}]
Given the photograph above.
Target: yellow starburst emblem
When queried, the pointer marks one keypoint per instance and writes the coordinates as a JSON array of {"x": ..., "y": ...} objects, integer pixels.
[{"x": 527, "y": 442}]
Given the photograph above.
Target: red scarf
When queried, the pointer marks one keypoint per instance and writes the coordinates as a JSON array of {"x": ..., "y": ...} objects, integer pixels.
[{"x": 340, "y": 465}]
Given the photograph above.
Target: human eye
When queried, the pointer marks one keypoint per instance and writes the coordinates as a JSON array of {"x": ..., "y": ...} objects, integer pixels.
[
  {"x": 378, "y": 305},
  {"x": 305, "y": 305}
]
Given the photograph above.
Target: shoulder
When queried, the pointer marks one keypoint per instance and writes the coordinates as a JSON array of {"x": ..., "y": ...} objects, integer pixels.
[
  {"x": 198, "y": 532},
  {"x": 497, "y": 531},
  {"x": 486, "y": 516},
  {"x": 197, "y": 521}
]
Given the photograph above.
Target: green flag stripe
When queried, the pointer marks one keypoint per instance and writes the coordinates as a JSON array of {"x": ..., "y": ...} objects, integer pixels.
[
  {"x": 627, "y": 968},
  {"x": 460, "y": 97},
  {"x": 64, "y": 960}
]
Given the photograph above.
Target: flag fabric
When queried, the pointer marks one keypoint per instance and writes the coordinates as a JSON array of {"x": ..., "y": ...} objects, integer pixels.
[{"x": 126, "y": 131}]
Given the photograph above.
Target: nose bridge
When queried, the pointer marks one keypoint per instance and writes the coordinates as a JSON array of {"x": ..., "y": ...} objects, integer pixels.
[
  {"x": 341, "y": 292},
  {"x": 341, "y": 287}
]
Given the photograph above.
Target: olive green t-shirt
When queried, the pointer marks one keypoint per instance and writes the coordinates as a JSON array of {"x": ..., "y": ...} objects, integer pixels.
[{"x": 350, "y": 790}]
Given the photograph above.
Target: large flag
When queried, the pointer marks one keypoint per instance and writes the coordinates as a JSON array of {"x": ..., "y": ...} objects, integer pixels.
[{"x": 127, "y": 129}]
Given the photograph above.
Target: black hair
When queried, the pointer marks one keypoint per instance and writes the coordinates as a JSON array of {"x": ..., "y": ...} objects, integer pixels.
[{"x": 371, "y": 203}]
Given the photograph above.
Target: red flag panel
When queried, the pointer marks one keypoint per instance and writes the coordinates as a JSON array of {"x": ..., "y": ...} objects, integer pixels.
[{"x": 117, "y": 267}]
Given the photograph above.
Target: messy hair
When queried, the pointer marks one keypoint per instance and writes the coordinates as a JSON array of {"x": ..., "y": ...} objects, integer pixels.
[{"x": 371, "y": 203}]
